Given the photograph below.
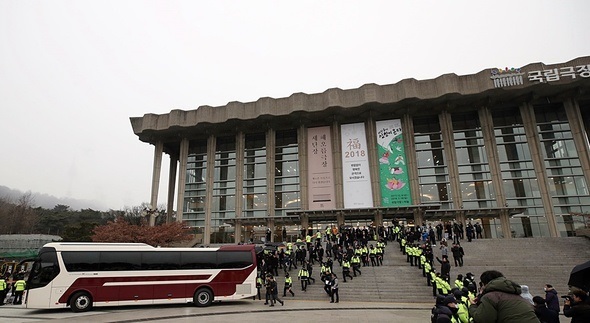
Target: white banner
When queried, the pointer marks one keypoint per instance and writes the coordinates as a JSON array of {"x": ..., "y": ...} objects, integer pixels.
[
  {"x": 320, "y": 174},
  {"x": 355, "y": 167}
]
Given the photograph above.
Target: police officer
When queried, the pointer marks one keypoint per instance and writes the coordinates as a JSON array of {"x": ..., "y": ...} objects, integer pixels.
[
  {"x": 259, "y": 283},
  {"x": 19, "y": 288},
  {"x": 346, "y": 269},
  {"x": 356, "y": 264},
  {"x": 303, "y": 276},
  {"x": 2, "y": 290}
]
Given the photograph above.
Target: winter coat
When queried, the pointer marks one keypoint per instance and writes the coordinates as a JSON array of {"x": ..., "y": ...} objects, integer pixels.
[
  {"x": 546, "y": 315},
  {"x": 579, "y": 312},
  {"x": 443, "y": 314},
  {"x": 552, "y": 300},
  {"x": 501, "y": 302}
]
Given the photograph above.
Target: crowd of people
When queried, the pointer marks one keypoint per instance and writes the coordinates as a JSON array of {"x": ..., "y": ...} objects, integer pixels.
[{"x": 493, "y": 299}]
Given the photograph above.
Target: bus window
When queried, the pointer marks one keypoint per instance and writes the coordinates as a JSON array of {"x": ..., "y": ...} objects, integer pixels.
[
  {"x": 120, "y": 260},
  {"x": 234, "y": 259},
  {"x": 198, "y": 260},
  {"x": 44, "y": 269},
  {"x": 81, "y": 260},
  {"x": 160, "y": 260}
]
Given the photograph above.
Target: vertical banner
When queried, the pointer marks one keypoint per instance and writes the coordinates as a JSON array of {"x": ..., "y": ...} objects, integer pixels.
[
  {"x": 355, "y": 167},
  {"x": 320, "y": 174},
  {"x": 393, "y": 171}
]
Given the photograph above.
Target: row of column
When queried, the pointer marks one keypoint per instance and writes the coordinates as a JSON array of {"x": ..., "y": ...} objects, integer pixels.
[{"x": 445, "y": 119}]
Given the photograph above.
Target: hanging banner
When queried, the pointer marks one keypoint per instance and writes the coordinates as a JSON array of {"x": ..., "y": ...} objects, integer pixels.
[
  {"x": 393, "y": 171},
  {"x": 355, "y": 167},
  {"x": 320, "y": 175}
]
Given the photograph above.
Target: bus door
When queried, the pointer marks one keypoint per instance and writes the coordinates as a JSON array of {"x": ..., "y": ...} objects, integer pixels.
[{"x": 39, "y": 281}]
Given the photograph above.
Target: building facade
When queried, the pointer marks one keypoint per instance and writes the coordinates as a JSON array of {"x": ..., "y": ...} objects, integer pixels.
[{"x": 507, "y": 148}]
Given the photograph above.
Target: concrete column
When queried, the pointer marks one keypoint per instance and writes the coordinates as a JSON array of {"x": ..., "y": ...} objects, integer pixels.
[
  {"x": 271, "y": 225},
  {"x": 371, "y": 134},
  {"x": 418, "y": 216},
  {"x": 378, "y": 221},
  {"x": 409, "y": 147},
  {"x": 530, "y": 126},
  {"x": 240, "y": 159},
  {"x": 171, "y": 187},
  {"x": 337, "y": 160},
  {"x": 446, "y": 126},
  {"x": 579, "y": 135},
  {"x": 183, "y": 158},
  {"x": 211, "y": 146},
  {"x": 158, "y": 150},
  {"x": 303, "y": 167},
  {"x": 339, "y": 219},
  {"x": 304, "y": 222}
]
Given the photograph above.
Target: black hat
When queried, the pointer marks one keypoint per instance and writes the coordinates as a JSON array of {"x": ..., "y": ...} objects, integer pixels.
[
  {"x": 538, "y": 300},
  {"x": 449, "y": 299}
]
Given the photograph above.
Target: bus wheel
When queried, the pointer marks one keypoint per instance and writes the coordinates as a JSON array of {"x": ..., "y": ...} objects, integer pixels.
[
  {"x": 81, "y": 302},
  {"x": 203, "y": 297}
]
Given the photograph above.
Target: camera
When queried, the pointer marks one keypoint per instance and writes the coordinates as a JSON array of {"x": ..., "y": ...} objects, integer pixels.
[{"x": 567, "y": 297}]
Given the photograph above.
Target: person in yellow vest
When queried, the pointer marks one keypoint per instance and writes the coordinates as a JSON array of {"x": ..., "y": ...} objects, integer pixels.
[
  {"x": 346, "y": 269},
  {"x": 2, "y": 290},
  {"x": 356, "y": 264},
  {"x": 288, "y": 285},
  {"x": 304, "y": 277},
  {"x": 19, "y": 288},
  {"x": 459, "y": 282},
  {"x": 259, "y": 283},
  {"x": 372, "y": 255}
]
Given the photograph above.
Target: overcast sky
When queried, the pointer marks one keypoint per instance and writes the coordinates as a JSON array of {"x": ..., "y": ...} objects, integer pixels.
[{"x": 73, "y": 72}]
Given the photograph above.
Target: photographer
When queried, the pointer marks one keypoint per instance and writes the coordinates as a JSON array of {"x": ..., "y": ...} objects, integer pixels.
[{"x": 577, "y": 307}]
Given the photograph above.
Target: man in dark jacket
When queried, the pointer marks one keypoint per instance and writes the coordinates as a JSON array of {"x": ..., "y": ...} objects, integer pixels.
[
  {"x": 544, "y": 314},
  {"x": 445, "y": 310},
  {"x": 576, "y": 306},
  {"x": 500, "y": 301},
  {"x": 445, "y": 268},
  {"x": 551, "y": 298}
]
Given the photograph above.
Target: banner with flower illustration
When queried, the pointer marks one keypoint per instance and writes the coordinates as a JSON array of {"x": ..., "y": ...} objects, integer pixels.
[{"x": 393, "y": 171}]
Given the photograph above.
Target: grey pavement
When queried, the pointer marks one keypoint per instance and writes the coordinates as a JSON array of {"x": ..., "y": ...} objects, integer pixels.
[{"x": 236, "y": 311}]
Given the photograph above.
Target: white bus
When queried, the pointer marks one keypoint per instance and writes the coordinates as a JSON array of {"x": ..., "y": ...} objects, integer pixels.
[{"x": 83, "y": 275}]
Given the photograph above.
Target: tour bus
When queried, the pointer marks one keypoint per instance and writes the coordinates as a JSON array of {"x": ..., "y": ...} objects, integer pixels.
[{"x": 83, "y": 275}]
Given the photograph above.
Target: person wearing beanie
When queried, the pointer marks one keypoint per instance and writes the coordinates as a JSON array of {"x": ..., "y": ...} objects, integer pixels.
[
  {"x": 500, "y": 301},
  {"x": 543, "y": 313},
  {"x": 445, "y": 310}
]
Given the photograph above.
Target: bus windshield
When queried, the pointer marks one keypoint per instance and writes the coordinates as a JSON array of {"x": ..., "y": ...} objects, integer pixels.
[{"x": 45, "y": 268}]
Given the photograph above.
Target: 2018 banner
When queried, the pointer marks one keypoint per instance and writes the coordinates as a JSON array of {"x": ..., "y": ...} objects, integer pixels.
[{"x": 355, "y": 167}]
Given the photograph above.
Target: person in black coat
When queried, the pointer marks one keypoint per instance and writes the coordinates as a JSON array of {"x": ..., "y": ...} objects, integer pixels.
[
  {"x": 544, "y": 314},
  {"x": 577, "y": 307},
  {"x": 445, "y": 268}
]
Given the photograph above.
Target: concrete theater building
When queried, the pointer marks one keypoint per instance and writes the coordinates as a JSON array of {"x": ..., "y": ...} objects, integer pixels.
[{"x": 507, "y": 148}]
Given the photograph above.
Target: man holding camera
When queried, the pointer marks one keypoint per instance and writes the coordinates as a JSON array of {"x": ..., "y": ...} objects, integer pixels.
[{"x": 577, "y": 307}]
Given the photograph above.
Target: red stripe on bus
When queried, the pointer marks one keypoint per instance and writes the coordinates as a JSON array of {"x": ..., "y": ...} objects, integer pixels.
[{"x": 223, "y": 284}]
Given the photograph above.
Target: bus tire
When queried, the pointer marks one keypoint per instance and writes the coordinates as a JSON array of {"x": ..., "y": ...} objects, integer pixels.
[
  {"x": 81, "y": 302},
  {"x": 203, "y": 297}
]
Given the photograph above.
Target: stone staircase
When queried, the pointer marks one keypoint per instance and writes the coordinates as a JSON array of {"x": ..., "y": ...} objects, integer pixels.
[{"x": 527, "y": 261}]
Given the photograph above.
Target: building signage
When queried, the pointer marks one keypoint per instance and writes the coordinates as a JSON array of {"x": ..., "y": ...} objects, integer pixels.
[
  {"x": 320, "y": 175},
  {"x": 555, "y": 74},
  {"x": 355, "y": 167},
  {"x": 393, "y": 171},
  {"x": 514, "y": 76}
]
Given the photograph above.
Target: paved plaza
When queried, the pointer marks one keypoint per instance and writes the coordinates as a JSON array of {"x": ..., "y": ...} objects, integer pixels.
[{"x": 238, "y": 311}]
